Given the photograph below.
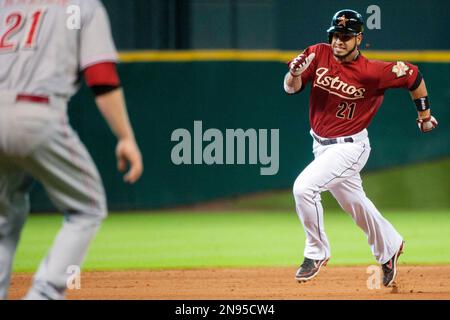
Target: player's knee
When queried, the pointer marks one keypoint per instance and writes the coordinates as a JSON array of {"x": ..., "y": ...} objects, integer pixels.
[
  {"x": 91, "y": 218},
  {"x": 302, "y": 191},
  {"x": 353, "y": 205},
  {"x": 95, "y": 211}
]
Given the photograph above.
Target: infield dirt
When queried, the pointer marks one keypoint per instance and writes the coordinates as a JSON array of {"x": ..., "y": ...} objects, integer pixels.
[{"x": 333, "y": 283}]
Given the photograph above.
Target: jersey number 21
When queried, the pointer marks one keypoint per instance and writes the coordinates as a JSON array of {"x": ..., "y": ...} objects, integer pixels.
[
  {"x": 346, "y": 110},
  {"x": 15, "y": 22}
]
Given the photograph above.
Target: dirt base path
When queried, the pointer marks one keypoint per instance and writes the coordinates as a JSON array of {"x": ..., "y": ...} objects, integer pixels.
[{"x": 414, "y": 282}]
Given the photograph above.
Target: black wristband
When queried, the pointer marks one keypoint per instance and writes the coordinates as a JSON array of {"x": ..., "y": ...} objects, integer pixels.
[{"x": 422, "y": 104}]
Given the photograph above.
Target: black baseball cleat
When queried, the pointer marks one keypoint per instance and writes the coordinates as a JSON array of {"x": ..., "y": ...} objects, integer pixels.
[
  {"x": 309, "y": 269},
  {"x": 390, "y": 268}
]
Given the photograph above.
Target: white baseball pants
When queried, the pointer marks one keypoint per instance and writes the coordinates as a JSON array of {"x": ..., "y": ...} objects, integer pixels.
[
  {"x": 336, "y": 168},
  {"x": 36, "y": 141}
]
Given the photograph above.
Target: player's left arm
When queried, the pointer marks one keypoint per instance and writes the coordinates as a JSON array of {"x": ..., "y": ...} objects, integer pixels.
[
  {"x": 405, "y": 75},
  {"x": 104, "y": 81},
  {"x": 425, "y": 120},
  {"x": 113, "y": 108},
  {"x": 97, "y": 60}
]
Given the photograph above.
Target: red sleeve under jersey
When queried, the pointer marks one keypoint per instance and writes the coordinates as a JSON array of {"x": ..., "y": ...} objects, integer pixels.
[
  {"x": 397, "y": 74},
  {"x": 102, "y": 74}
]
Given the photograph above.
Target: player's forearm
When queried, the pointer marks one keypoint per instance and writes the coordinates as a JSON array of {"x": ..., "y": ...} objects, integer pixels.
[
  {"x": 113, "y": 108},
  {"x": 425, "y": 120},
  {"x": 292, "y": 84},
  {"x": 420, "y": 92}
]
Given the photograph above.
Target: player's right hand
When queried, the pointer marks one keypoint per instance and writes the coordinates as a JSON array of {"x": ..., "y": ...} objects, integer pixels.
[
  {"x": 427, "y": 124},
  {"x": 298, "y": 65},
  {"x": 127, "y": 152}
]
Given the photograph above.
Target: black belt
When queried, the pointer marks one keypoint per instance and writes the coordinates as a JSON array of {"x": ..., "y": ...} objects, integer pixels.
[{"x": 326, "y": 142}]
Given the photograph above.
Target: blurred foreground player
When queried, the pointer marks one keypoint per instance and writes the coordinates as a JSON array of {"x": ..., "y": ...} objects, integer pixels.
[{"x": 42, "y": 54}]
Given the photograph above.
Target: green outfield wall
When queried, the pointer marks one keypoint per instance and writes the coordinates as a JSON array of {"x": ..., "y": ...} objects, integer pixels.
[{"x": 165, "y": 96}]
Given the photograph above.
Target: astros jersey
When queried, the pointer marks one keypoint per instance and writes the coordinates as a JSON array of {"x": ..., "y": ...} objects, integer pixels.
[
  {"x": 345, "y": 96},
  {"x": 45, "y": 44}
]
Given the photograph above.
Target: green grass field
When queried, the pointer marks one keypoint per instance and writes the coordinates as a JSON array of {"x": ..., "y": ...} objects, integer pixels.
[
  {"x": 263, "y": 230},
  {"x": 162, "y": 240}
]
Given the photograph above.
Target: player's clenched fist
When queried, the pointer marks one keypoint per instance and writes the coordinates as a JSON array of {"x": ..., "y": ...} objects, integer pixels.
[
  {"x": 127, "y": 152},
  {"x": 427, "y": 124},
  {"x": 298, "y": 65}
]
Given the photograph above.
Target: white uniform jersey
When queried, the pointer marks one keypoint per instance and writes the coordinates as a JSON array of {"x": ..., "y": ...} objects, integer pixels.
[{"x": 45, "y": 44}]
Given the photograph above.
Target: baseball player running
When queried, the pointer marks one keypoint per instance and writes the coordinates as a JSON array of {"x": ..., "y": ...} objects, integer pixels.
[
  {"x": 42, "y": 54},
  {"x": 346, "y": 91}
]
